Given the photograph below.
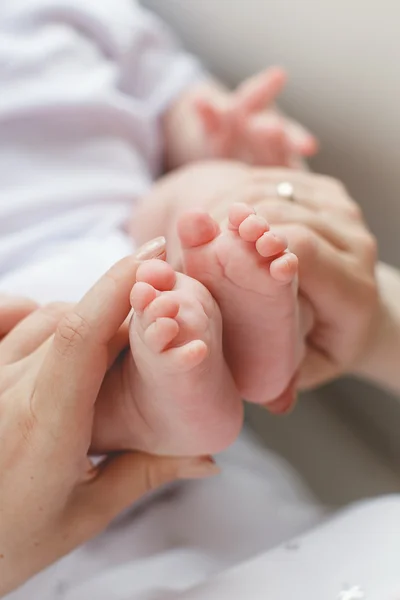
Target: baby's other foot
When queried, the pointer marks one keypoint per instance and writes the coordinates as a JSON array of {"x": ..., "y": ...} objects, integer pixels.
[
  {"x": 253, "y": 277},
  {"x": 181, "y": 396}
]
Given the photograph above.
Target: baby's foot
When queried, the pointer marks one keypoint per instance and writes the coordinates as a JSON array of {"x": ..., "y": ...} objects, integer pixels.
[
  {"x": 179, "y": 394},
  {"x": 252, "y": 276}
]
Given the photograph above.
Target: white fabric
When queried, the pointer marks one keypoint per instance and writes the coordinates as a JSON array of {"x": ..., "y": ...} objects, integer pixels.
[
  {"x": 83, "y": 84},
  {"x": 352, "y": 557},
  {"x": 192, "y": 533}
]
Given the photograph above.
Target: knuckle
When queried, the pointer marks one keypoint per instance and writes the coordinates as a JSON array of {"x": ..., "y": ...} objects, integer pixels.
[
  {"x": 337, "y": 188},
  {"x": 72, "y": 330},
  {"x": 354, "y": 211},
  {"x": 113, "y": 278},
  {"x": 251, "y": 194},
  {"x": 371, "y": 247},
  {"x": 333, "y": 183},
  {"x": 155, "y": 472},
  {"x": 274, "y": 211}
]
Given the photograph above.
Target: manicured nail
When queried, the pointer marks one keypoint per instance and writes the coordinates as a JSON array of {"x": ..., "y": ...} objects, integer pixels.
[
  {"x": 199, "y": 468},
  {"x": 153, "y": 249}
]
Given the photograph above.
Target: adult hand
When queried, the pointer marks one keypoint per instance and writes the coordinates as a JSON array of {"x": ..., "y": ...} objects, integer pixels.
[
  {"x": 51, "y": 368},
  {"x": 337, "y": 259},
  {"x": 325, "y": 228},
  {"x": 12, "y": 310}
]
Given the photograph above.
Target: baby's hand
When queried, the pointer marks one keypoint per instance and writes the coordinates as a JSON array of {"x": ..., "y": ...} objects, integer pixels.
[{"x": 245, "y": 125}]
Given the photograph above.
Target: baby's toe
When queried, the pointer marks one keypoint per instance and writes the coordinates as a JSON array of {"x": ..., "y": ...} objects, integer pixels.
[
  {"x": 238, "y": 212},
  {"x": 160, "y": 334},
  {"x": 188, "y": 356},
  {"x": 142, "y": 295},
  {"x": 284, "y": 269},
  {"x": 196, "y": 228},
  {"x": 270, "y": 244},
  {"x": 165, "y": 305},
  {"x": 252, "y": 228},
  {"x": 157, "y": 273}
]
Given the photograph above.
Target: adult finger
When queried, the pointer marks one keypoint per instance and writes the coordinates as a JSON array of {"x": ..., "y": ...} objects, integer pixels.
[
  {"x": 316, "y": 369},
  {"x": 286, "y": 401},
  {"x": 314, "y": 191},
  {"x": 268, "y": 139},
  {"x": 346, "y": 235},
  {"x": 72, "y": 372},
  {"x": 119, "y": 342},
  {"x": 209, "y": 113},
  {"x": 12, "y": 311},
  {"x": 31, "y": 332},
  {"x": 124, "y": 479},
  {"x": 259, "y": 91},
  {"x": 302, "y": 141},
  {"x": 321, "y": 266},
  {"x": 331, "y": 280},
  {"x": 319, "y": 195}
]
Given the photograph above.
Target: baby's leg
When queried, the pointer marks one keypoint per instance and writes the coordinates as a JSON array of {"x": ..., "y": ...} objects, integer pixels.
[
  {"x": 177, "y": 393},
  {"x": 253, "y": 277}
]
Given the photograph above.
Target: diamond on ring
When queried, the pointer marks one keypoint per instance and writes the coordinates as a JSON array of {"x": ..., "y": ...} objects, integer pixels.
[{"x": 285, "y": 190}]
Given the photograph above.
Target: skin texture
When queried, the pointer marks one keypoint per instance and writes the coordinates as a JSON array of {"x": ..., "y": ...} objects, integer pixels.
[
  {"x": 338, "y": 300},
  {"x": 52, "y": 365},
  {"x": 173, "y": 393},
  {"x": 253, "y": 278},
  {"x": 324, "y": 228},
  {"x": 337, "y": 265}
]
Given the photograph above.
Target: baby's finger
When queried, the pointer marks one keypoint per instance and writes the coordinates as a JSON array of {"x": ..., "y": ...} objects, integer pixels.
[
  {"x": 268, "y": 140},
  {"x": 301, "y": 140},
  {"x": 256, "y": 93},
  {"x": 210, "y": 115},
  {"x": 125, "y": 479}
]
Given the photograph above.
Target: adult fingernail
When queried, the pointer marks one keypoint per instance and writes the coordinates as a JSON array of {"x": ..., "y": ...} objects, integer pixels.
[
  {"x": 286, "y": 402},
  {"x": 153, "y": 249},
  {"x": 282, "y": 406},
  {"x": 198, "y": 468}
]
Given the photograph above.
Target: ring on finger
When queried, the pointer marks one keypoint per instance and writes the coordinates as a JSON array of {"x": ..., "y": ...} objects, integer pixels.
[{"x": 285, "y": 190}]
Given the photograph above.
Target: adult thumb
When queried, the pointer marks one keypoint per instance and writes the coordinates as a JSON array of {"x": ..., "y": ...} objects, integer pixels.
[
  {"x": 317, "y": 369},
  {"x": 125, "y": 478}
]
